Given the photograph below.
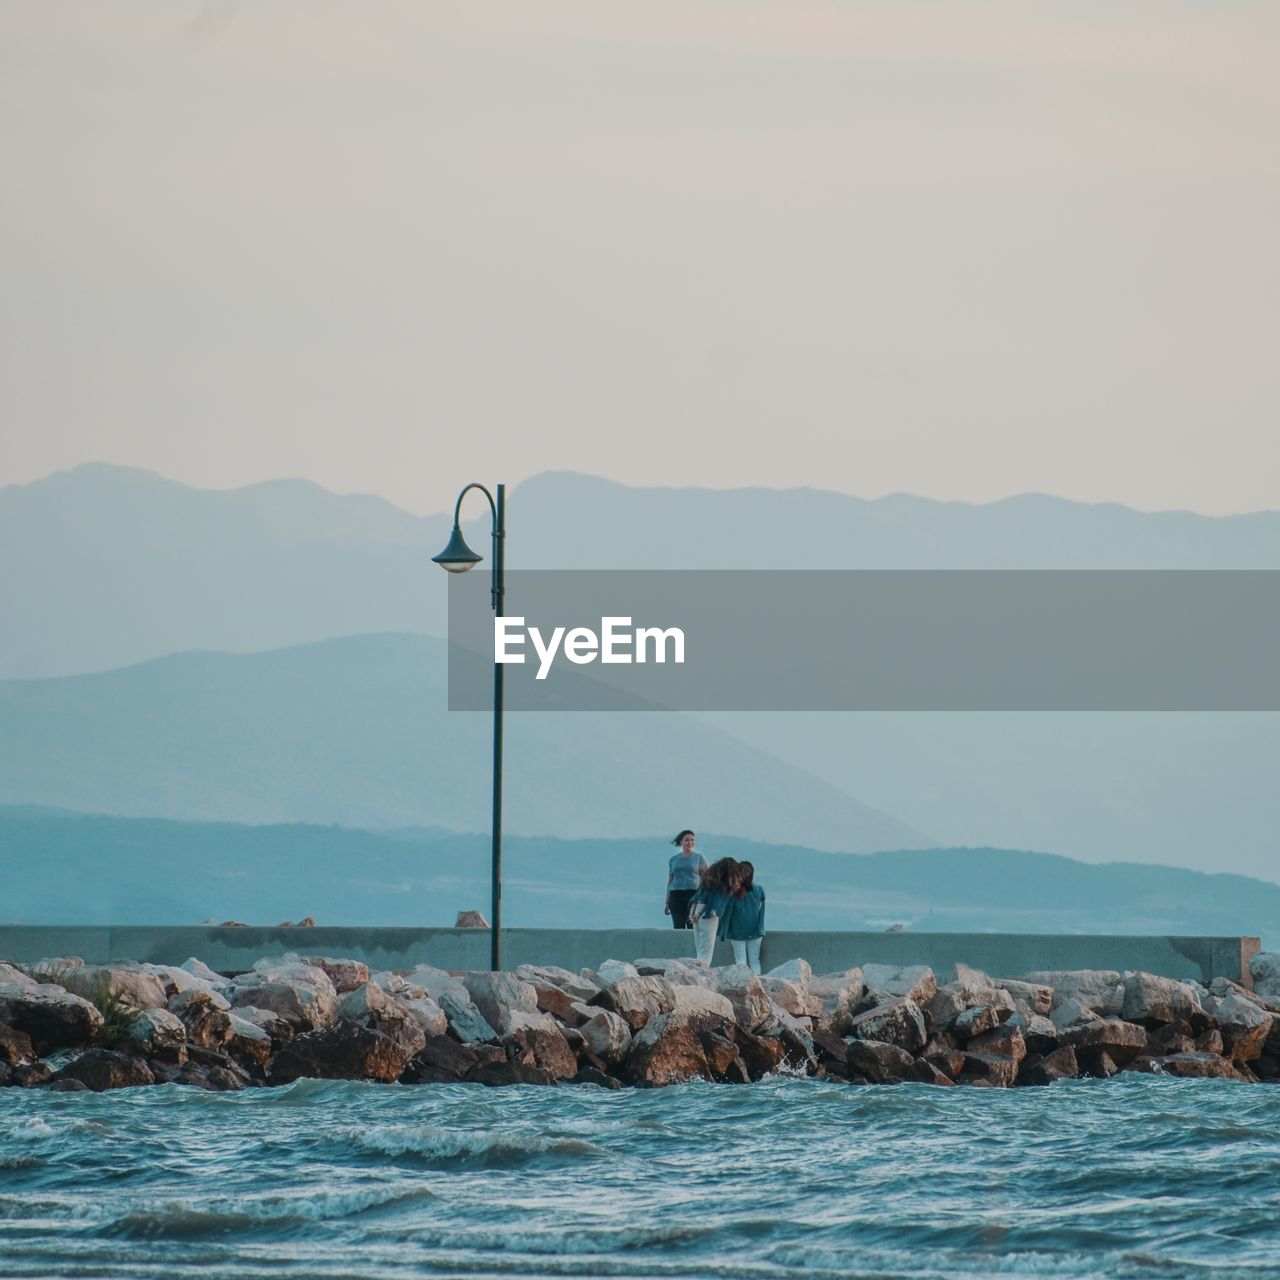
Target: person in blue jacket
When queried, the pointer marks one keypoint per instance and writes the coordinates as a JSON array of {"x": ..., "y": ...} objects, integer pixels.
[
  {"x": 709, "y": 905},
  {"x": 742, "y": 921}
]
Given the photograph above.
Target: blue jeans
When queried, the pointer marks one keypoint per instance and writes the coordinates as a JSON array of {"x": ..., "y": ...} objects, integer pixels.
[{"x": 747, "y": 952}]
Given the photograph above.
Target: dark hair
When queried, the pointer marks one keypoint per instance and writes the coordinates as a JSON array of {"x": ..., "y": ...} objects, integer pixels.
[
  {"x": 681, "y": 836},
  {"x": 746, "y": 878},
  {"x": 723, "y": 876}
]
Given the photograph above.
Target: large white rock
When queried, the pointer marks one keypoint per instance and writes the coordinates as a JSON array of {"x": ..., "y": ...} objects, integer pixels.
[
  {"x": 572, "y": 984},
  {"x": 9, "y": 976},
  {"x": 751, "y": 1003},
  {"x": 370, "y": 1006},
  {"x": 176, "y": 980},
  {"x": 1101, "y": 990},
  {"x": 52, "y": 1016},
  {"x": 614, "y": 971},
  {"x": 607, "y": 1036},
  {"x": 301, "y": 994},
  {"x": 498, "y": 995},
  {"x": 1152, "y": 999},
  {"x": 198, "y": 968},
  {"x": 797, "y": 971},
  {"x": 157, "y": 1031},
  {"x": 1243, "y": 1024},
  {"x": 682, "y": 973},
  {"x": 1264, "y": 968},
  {"x": 914, "y": 981},
  {"x": 794, "y": 997},
  {"x": 702, "y": 1009},
  {"x": 465, "y": 1020},
  {"x": 131, "y": 984}
]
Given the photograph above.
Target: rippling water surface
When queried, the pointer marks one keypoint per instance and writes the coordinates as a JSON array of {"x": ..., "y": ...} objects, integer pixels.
[{"x": 1137, "y": 1177}]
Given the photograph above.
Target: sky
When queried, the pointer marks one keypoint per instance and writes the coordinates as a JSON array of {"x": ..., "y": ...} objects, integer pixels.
[{"x": 960, "y": 250}]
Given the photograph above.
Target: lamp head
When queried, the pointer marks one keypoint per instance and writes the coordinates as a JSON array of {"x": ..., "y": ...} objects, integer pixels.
[{"x": 457, "y": 557}]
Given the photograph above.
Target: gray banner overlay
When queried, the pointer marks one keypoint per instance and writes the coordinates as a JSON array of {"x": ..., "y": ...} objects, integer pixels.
[{"x": 866, "y": 640}]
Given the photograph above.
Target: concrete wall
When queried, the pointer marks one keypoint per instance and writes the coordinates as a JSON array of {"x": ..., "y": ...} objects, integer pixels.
[{"x": 1006, "y": 955}]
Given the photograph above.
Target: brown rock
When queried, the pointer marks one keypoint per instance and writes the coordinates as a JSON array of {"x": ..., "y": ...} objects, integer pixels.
[
  {"x": 759, "y": 1054},
  {"x": 346, "y": 975},
  {"x": 637, "y": 1000},
  {"x": 53, "y": 1017},
  {"x": 662, "y": 1054},
  {"x": 504, "y": 1071},
  {"x": 31, "y": 1075},
  {"x": 547, "y": 1050},
  {"x": 101, "y": 1069},
  {"x": 1004, "y": 1042},
  {"x": 206, "y": 1024},
  {"x": 897, "y": 1022},
  {"x": 720, "y": 1052},
  {"x": 341, "y": 1051},
  {"x": 15, "y": 1047},
  {"x": 1044, "y": 1069},
  {"x": 1151, "y": 1000},
  {"x": 949, "y": 1061},
  {"x": 1245, "y": 1026},
  {"x": 976, "y": 1021},
  {"x": 1196, "y": 1066},
  {"x": 589, "y": 1074},
  {"x": 470, "y": 920},
  {"x": 991, "y": 1070},
  {"x": 1119, "y": 1039},
  {"x": 442, "y": 1060},
  {"x": 925, "y": 1072},
  {"x": 879, "y": 1061}
]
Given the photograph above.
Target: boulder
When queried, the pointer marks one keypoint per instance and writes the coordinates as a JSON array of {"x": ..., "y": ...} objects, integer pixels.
[
  {"x": 613, "y": 971},
  {"x": 556, "y": 989},
  {"x": 1244, "y": 1026},
  {"x": 11, "y": 976},
  {"x": 878, "y": 1061},
  {"x": 504, "y": 1071},
  {"x": 265, "y": 1020},
  {"x": 442, "y": 1060},
  {"x": 101, "y": 1069},
  {"x": 428, "y": 1015},
  {"x": 1044, "y": 1069},
  {"x": 840, "y": 994},
  {"x": 990, "y": 1070},
  {"x": 465, "y": 1020},
  {"x": 30, "y": 1075},
  {"x": 663, "y": 1054},
  {"x": 1152, "y": 1000},
  {"x": 50, "y": 1015},
  {"x": 1029, "y": 997},
  {"x": 724, "y": 1062},
  {"x": 248, "y": 1042},
  {"x": 951, "y": 1002},
  {"x": 1004, "y": 1041},
  {"x": 198, "y": 969},
  {"x": 340, "y": 1051},
  {"x": 370, "y": 1006},
  {"x": 545, "y": 1049},
  {"x": 498, "y": 995},
  {"x": 299, "y": 993},
  {"x": 16, "y": 1049},
  {"x": 898, "y": 1022},
  {"x": 159, "y": 1033},
  {"x": 975, "y": 1021},
  {"x": 796, "y": 971},
  {"x": 637, "y": 1000},
  {"x": 949, "y": 1061},
  {"x": 1196, "y": 1066},
  {"x": 793, "y": 997},
  {"x": 1072, "y": 1013},
  {"x": 963, "y": 975},
  {"x": 176, "y": 980},
  {"x": 680, "y": 973},
  {"x": 1118, "y": 1039},
  {"x": 130, "y": 984},
  {"x": 1101, "y": 990},
  {"x": 346, "y": 975},
  {"x": 914, "y": 981},
  {"x": 701, "y": 1009},
  {"x": 1264, "y": 969},
  {"x": 205, "y": 1021},
  {"x": 759, "y": 1054},
  {"x": 925, "y": 1072},
  {"x": 746, "y": 993},
  {"x": 203, "y": 993},
  {"x": 607, "y": 1036},
  {"x": 1040, "y": 1034},
  {"x": 470, "y": 920}
]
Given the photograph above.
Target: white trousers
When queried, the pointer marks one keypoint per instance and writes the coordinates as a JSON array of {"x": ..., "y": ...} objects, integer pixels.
[
  {"x": 747, "y": 953},
  {"x": 704, "y": 937}
]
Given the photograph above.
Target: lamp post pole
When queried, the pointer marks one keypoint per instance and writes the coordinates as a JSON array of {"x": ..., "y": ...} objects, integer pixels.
[{"x": 457, "y": 557}]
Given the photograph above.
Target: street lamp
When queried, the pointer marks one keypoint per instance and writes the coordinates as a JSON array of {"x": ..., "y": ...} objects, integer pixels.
[{"x": 457, "y": 557}]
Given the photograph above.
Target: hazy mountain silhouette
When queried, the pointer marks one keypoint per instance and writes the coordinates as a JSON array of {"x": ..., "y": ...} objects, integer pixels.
[
  {"x": 356, "y": 731},
  {"x": 103, "y": 566},
  {"x": 71, "y": 868}
]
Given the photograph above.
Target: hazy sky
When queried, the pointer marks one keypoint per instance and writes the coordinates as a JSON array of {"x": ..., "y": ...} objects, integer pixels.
[{"x": 961, "y": 249}]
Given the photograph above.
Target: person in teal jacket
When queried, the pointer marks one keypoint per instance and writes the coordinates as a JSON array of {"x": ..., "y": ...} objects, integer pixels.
[
  {"x": 709, "y": 905},
  {"x": 742, "y": 922}
]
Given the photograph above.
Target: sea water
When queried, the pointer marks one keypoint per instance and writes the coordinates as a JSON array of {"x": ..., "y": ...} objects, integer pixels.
[{"x": 1132, "y": 1177}]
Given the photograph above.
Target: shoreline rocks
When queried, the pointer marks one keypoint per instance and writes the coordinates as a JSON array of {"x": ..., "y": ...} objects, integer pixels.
[{"x": 73, "y": 1027}]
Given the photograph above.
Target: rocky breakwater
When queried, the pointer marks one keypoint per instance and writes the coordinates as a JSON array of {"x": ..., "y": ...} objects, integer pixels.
[{"x": 66, "y": 1025}]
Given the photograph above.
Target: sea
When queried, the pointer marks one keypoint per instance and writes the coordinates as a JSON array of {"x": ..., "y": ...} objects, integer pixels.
[{"x": 1132, "y": 1177}]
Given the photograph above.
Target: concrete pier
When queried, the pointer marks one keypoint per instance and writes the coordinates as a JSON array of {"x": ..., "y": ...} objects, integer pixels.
[{"x": 1005, "y": 955}]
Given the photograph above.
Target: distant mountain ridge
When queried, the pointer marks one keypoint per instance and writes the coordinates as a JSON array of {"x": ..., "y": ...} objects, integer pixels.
[
  {"x": 106, "y": 566},
  {"x": 356, "y": 732},
  {"x": 130, "y": 871}
]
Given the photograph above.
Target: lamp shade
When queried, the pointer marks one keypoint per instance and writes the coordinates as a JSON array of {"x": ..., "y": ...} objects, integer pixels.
[{"x": 457, "y": 557}]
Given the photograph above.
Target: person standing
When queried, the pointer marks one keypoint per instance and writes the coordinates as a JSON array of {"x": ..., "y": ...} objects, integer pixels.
[
  {"x": 684, "y": 875},
  {"x": 710, "y": 904},
  {"x": 743, "y": 921}
]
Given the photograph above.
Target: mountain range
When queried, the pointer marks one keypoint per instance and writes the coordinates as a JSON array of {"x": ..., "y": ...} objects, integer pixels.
[{"x": 131, "y": 871}]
